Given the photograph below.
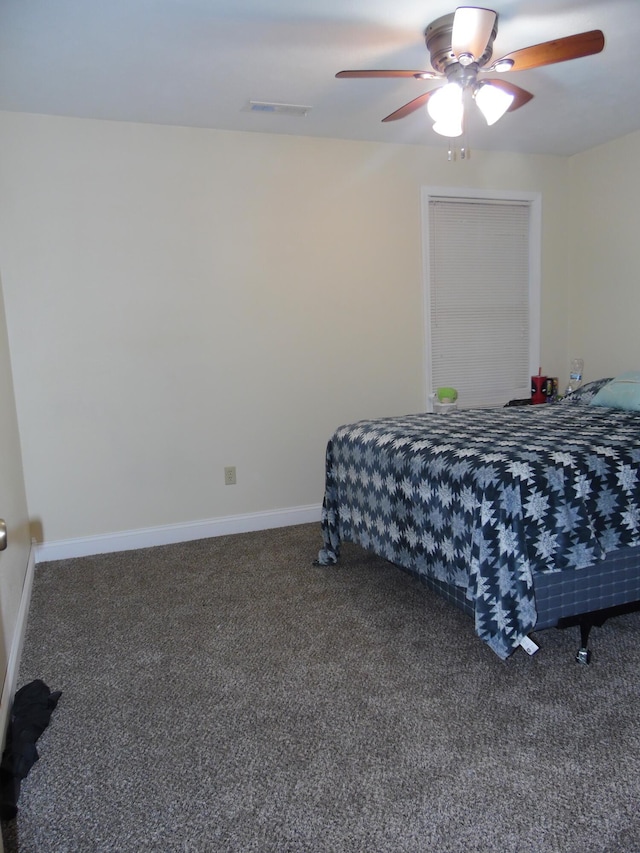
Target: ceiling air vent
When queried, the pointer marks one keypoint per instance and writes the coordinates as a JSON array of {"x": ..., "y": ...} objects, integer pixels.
[{"x": 284, "y": 109}]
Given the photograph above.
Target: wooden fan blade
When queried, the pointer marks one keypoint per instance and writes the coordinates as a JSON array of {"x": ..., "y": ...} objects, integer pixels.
[
  {"x": 411, "y": 107},
  {"x": 558, "y": 50},
  {"x": 420, "y": 75},
  {"x": 520, "y": 96},
  {"x": 471, "y": 31}
]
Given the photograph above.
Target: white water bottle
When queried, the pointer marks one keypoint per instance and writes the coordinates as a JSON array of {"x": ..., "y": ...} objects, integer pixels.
[{"x": 575, "y": 375}]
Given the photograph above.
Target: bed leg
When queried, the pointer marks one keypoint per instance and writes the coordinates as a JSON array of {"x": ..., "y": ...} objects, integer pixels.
[{"x": 583, "y": 655}]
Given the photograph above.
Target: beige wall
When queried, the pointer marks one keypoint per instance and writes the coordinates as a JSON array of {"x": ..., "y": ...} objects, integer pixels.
[
  {"x": 604, "y": 317},
  {"x": 179, "y": 300},
  {"x": 15, "y": 559}
]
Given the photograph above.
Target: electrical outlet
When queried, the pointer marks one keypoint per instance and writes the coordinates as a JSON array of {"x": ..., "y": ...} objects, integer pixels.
[{"x": 230, "y": 475}]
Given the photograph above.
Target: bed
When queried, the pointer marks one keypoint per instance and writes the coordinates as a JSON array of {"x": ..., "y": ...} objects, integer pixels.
[{"x": 525, "y": 517}]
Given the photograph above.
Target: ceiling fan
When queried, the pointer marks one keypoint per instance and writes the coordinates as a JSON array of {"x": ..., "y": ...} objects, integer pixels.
[{"x": 461, "y": 48}]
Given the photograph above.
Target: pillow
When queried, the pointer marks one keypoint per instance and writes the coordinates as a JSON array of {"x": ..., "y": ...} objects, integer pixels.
[
  {"x": 623, "y": 392},
  {"x": 585, "y": 393}
]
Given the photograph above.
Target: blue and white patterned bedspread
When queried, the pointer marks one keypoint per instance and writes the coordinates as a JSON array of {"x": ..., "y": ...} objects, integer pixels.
[{"x": 485, "y": 498}]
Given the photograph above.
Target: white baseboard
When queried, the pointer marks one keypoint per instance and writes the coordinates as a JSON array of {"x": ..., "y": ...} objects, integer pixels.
[
  {"x": 128, "y": 540},
  {"x": 17, "y": 642}
]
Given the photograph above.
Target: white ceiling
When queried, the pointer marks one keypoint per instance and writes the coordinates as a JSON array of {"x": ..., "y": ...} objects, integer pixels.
[{"x": 198, "y": 62}]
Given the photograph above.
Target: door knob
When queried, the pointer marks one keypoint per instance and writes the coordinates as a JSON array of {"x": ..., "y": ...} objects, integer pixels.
[{"x": 3, "y": 534}]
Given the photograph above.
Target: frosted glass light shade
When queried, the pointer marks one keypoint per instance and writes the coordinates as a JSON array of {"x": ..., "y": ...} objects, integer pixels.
[
  {"x": 445, "y": 108},
  {"x": 449, "y": 128},
  {"x": 471, "y": 32},
  {"x": 492, "y": 102}
]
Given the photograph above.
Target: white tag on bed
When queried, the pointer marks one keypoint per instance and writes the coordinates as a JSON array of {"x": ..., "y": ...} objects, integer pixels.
[{"x": 529, "y": 646}]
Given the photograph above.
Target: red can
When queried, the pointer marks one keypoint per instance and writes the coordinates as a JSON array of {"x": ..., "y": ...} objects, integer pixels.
[{"x": 538, "y": 389}]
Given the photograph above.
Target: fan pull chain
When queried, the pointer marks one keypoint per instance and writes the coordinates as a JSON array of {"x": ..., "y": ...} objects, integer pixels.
[{"x": 464, "y": 151}]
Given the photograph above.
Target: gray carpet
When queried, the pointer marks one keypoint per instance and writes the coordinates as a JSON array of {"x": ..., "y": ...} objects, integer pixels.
[{"x": 226, "y": 695}]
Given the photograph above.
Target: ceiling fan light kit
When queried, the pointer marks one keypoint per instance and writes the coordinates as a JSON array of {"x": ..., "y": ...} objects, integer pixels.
[{"x": 460, "y": 47}]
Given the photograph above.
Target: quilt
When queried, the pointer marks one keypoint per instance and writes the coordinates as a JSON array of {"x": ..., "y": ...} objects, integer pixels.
[{"x": 484, "y": 499}]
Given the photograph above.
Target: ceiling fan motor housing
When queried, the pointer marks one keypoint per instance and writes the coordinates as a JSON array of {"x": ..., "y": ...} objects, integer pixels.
[{"x": 438, "y": 37}]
